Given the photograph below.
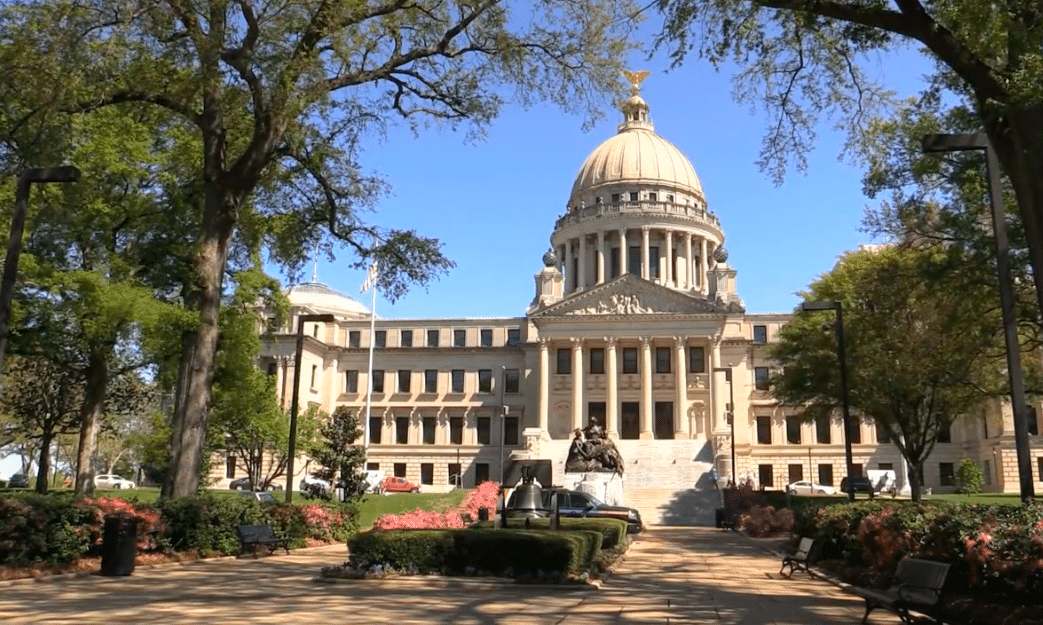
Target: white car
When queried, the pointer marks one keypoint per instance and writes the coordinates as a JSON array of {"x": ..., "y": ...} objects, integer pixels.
[
  {"x": 810, "y": 488},
  {"x": 112, "y": 482},
  {"x": 315, "y": 486}
]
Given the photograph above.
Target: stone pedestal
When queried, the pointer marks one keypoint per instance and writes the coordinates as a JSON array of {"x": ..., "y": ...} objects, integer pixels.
[{"x": 606, "y": 486}]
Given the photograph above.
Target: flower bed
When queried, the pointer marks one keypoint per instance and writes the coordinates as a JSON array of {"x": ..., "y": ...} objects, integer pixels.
[{"x": 482, "y": 497}]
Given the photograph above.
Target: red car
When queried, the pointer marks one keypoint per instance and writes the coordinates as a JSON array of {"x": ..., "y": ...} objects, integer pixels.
[{"x": 394, "y": 484}]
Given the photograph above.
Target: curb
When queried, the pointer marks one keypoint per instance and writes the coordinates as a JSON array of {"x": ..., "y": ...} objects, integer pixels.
[{"x": 440, "y": 581}]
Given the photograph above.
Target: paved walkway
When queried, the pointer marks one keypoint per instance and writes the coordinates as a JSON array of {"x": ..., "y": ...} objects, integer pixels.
[{"x": 669, "y": 576}]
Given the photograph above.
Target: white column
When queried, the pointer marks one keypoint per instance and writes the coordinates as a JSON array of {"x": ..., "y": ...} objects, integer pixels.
[
  {"x": 718, "y": 389},
  {"x": 644, "y": 251},
  {"x": 577, "y": 383},
  {"x": 704, "y": 266},
  {"x": 600, "y": 278},
  {"x": 611, "y": 384},
  {"x": 668, "y": 278},
  {"x": 689, "y": 274},
  {"x": 544, "y": 400},
  {"x": 681, "y": 379},
  {"x": 561, "y": 259},
  {"x": 623, "y": 250},
  {"x": 581, "y": 271},
  {"x": 570, "y": 278},
  {"x": 646, "y": 388}
]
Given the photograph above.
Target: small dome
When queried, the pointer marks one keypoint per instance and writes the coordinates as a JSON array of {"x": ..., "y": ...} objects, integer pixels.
[
  {"x": 720, "y": 254},
  {"x": 550, "y": 258},
  {"x": 321, "y": 297}
]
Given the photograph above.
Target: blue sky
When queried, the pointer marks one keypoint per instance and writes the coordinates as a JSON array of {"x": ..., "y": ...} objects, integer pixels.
[{"x": 493, "y": 204}]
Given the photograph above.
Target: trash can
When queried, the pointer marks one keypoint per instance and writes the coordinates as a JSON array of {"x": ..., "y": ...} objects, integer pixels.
[
  {"x": 719, "y": 517},
  {"x": 119, "y": 544}
]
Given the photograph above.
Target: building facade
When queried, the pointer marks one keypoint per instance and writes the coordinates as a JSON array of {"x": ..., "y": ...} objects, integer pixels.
[{"x": 635, "y": 321}]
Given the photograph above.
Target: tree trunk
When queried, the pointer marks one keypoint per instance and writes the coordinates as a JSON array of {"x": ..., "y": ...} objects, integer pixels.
[
  {"x": 219, "y": 221},
  {"x": 915, "y": 471},
  {"x": 181, "y": 390},
  {"x": 43, "y": 472},
  {"x": 91, "y": 413}
]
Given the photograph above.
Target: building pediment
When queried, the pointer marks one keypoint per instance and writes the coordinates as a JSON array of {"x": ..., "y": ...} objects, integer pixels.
[{"x": 629, "y": 295}]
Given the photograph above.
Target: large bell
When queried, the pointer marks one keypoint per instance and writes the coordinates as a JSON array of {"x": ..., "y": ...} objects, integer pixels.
[{"x": 526, "y": 501}]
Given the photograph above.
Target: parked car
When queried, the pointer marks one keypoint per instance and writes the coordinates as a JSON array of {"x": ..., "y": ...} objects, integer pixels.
[
  {"x": 18, "y": 480},
  {"x": 244, "y": 483},
  {"x": 261, "y": 495},
  {"x": 805, "y": 487},
  {"x": 314, "y": 486},
  {"x": 392, "y": 484},
  {"x": 579, "y": 505},
  {"x": 861, "y": 483},
  {"x": 112, "y": 482}
]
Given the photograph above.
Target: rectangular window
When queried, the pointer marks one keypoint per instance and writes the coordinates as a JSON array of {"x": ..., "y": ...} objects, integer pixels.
[
  {"x": 401, "y": 430},
  {"x": 459, "y": 338},
  {"x": 564, "y": 361},
  {"x": 823, "y": 433},
  {"x": 765, "y": 476},
  {"x": 405, "y": 338},
  {"x": 883, "y": 435},
  {"x": 597, "y": 360},
  {"x": 825, "y": 474},
  {"x": 944, "y": 433},
  {"x": 1033, "y": 420},
  {"x": 273, "y": 368},
  {"x": 1039, "y": 467},
  {"x": 633, "y": 196},
  {"x": 354, "y": 338},
  {"x": 430, "y": 381},
  {"x": 378, "y": 380},
  {"x": 760, "y": 378},
  {"x": 400, "y": 469},
  {"x": 855, "y": 433},
  {"x": 596, "y": 411},
  {"x": 615, "y": 198},
  {"x": 351, "y": 381},
  {"x": 796, "y": 472},
  {"x": 653, "y": 262},
  {"x": 613, "y": 262},
  {"x": 629, "y": 360},
  {"x": 230, "y": 466},
  {"x": 314, "y": 375},
  {"x": 630, "y": 424},
  {"x": 946, "y": 474},
  {"x": 481, "y": 473},
  {"x": 271, "y": 325},
  {"x": 375, "y": 428},
  {"x": 404, "y": 378},
  {"x": 427, "y": 473},
  {"x": 372, "y": 466},
  {"x": 634, "y": 260},
  {"x": 696, "y": 360},
  {"x": 663, "y": 427},
  {"x": 432, "y": 338},
  {"x": 760, "y": 334},
  {"x": 513, "y": 337},
  {"x": 652, "y": 197},
  {"x": 456, "y": 430},
  {"x": 793, "y": 431},
  {"x": 455, "y": 478},
  {"x": 764, "y": 430},
  {"x": 430, "y": 425},
  {"x": 458, "y": 381},
  {"x": 511, "y": 381},
  {"x": 484, "y": 430},
  {"x": 988, "y": 472},
  {"x": 885, "y": 466},
  {"x": 984, "y": 425},
  {"x": 486, "y": 336},
  {"x": 381, "y": 339},
  {"x": 662, "y": 360},
  {"x": 856, "y": 469},
  {"x": 510, "y": 431},
  {"x": 485, "y": 380}
]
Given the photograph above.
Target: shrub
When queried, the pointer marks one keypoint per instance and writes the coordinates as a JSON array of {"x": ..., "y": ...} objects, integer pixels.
[
  {"x": 613, "y": 531},
  {"x": 969, "y": 477},
  {"x": 48, "y": 529},
  {"x": 762, "y": 521}
]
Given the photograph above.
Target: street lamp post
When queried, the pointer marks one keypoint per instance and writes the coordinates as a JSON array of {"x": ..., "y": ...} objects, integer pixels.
[
  {"x": 503, "y": 426},
  {"x": 844, "y": 391},
  {"x": 980, "y": 141},
  {"x": 294, "y": 401},
  {"x": 66, "y": 173},
  {"x": 731, "y": 416}
]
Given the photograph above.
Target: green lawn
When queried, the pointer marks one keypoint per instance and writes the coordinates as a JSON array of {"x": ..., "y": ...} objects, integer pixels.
[
  {"x": 980, "y": 498},
  {"x": 373, "y": 507}
]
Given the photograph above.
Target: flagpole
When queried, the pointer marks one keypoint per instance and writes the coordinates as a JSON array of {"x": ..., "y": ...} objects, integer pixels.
[{"x": 371, "y": 282}]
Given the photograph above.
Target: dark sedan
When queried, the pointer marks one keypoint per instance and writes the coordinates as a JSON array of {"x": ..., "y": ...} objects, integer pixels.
[
  {"x": 579, "y": 505},
  {"x": 18, "y": 480}
]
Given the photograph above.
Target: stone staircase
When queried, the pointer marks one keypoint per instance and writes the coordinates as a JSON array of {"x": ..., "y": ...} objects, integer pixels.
[{"x": 667, "y": 481}]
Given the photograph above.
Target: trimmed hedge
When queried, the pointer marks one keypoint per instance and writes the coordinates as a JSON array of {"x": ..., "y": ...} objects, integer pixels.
[
  {"x": 613, "y": 531},
  {"x": 59, "y": 528},
  {"x": 502, "y": 552}
]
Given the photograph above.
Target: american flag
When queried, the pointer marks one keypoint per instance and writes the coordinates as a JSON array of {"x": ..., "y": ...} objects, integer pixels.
[{"x": 371, "y": 278}]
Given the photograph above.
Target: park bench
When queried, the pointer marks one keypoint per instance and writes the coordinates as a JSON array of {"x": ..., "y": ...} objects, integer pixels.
[
  {"x": 798, "y": 561},
  {"x": 915, "y": 587},
  {"x": 253, "y": 535}
]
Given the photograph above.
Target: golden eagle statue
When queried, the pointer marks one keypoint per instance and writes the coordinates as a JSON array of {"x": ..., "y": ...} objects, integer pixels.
[{"x": 635, "y": 78}]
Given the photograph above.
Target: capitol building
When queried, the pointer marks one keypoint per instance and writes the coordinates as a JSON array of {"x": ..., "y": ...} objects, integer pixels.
[{"x": 636, "y": 321}]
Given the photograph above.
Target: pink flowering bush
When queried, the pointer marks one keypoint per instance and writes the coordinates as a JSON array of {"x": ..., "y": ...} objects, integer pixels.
[
  {"x": 149, "y": 524},
  {"x": 482, "y": 497}
]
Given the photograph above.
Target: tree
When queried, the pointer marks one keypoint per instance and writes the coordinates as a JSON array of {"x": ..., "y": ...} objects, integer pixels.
[
  {"x": 338, "y": 453},
  {"x": 919, "y": 352},
  {"x": 280, "y": 96},
  {"x": 801, "y": 58},
  {"x": 969, "y": 477}
]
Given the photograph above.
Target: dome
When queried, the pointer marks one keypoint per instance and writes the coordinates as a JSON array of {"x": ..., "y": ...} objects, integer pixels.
[
  {"x": 636, "y": 155},
  {"x": 318, "y": 296}
]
